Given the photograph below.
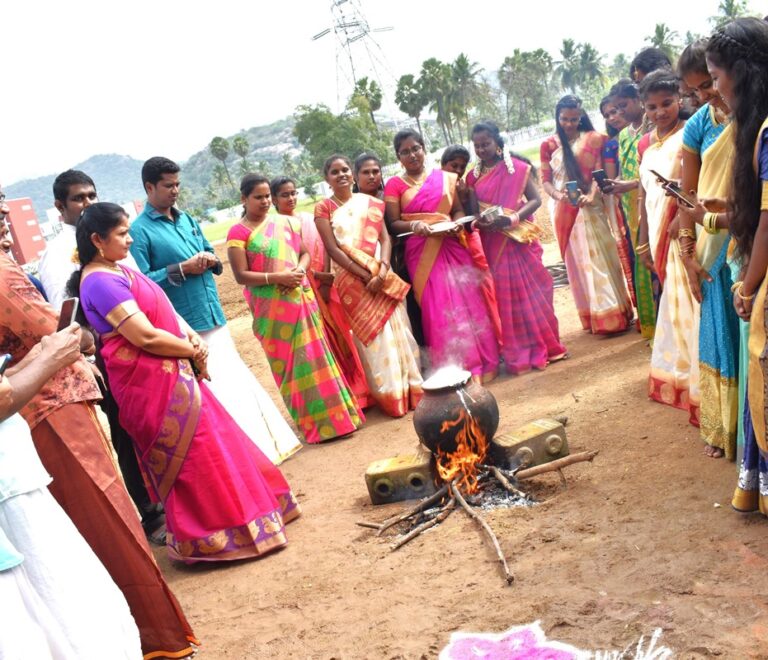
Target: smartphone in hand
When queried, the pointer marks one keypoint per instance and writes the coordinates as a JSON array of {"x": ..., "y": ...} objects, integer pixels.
[
  {"x": 67, "y": 313},
  {"x": 5, "y": 361},
  {"x": 673, "y": 189},
  {"x": 601, "y": 178},
  {"x": 573, "y": 192}
]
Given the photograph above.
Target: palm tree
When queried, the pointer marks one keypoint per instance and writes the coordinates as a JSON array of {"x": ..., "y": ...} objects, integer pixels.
[
  {"x": 590, "y": 64},
  {"x": 567, "y": 67},
  {"x": 437, "y": 85},
  {"x": 727, "y": 10},
  {"x": 665, "y": 40},
  {"x": 241, "y": 147},
  {"x": 465, "y": 75},
  {"x": 219, "y": 149},
  {"x": 366, "y": 97},
  {"x": 409, "y": 97}
]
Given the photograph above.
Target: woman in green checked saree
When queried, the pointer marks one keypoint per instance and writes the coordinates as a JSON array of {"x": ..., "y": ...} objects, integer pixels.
[
  {"x": 627, "y": 99},
  {"x": 267, "y": 256}
]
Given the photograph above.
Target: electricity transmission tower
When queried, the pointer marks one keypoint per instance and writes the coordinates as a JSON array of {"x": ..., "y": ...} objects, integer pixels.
[{"x": 358, "y": 54}]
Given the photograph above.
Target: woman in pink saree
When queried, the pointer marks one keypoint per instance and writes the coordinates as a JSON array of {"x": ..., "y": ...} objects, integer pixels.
[
  {"x": 223, "y": 498},
  {"x": 446, "y": 264},
  {"x": 523, "y": 286}
]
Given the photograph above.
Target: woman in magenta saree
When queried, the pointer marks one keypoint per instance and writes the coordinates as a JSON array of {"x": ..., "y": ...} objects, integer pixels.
[
  {"x": 223, "y": 498},
  {"x": 446, "y": 264},
  {"x": 531, "y": 336}
]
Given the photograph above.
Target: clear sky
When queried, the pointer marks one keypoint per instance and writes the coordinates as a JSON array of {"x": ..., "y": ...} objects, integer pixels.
[{"x": 162, "y": 77}]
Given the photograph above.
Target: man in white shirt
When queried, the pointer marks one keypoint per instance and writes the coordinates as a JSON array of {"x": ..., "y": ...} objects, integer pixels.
[{"x": 73, "y": 192}]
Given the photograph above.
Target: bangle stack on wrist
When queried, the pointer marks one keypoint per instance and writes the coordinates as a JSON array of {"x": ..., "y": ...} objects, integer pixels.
[
  {"x": 710, "y": 222},
  {"x": 642, "y": 249}
]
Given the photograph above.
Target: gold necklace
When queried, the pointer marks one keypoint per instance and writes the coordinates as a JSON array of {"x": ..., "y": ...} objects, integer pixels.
[
  {"x": 415, "y": 182},
  {"x": 337, "y": 201},
  {"x": 106, "y": 264},
  {"x": 661, "y": 140}
]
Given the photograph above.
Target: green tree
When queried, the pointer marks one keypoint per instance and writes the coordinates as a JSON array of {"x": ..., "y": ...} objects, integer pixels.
[
  {"x": 219, "y": 149},
  {"x": 322, "y": 133},
  {"x": 464, "y": 74},
  {"x": 619, "y": 68},
  {"x": 263, "y": 168},
  {"x": 410, "y": 98},
  {"x": 567, "y": 67},
  {"x": 366, "y": 98},
  {"x": 288, "y": 167},
  {"x": 523, "y": 79},
  {"x": 727, "y": 10},
  {"x": 665, "y": 40},
  {"x": 242, "y": 148},
  {"x": 590, "y": 66},
  {"x": 436, "y": 82}
]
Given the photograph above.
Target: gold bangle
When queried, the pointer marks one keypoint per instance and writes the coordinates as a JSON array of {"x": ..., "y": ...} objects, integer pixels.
[
  {"x": 266, "y": 278},
  {"x": 736, "y": 285},
  {"x": 642, "y": 249},
  {"x": 710, "y": 223},
  {"x": 741, "y": 295},
  {"x": 687, "y": 232}
]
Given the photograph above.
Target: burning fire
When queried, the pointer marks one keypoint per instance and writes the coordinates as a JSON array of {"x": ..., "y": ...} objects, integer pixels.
[{"x": 471, "y": 449}]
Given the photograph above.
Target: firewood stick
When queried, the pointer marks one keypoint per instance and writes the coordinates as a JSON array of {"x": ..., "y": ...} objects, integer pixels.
[
  {"x": 505, "y": 482},
  {"x": 556, "y": 465},
  {"x": 487, "y": 528},
  {"x": 444, "y": 513},
  {"x": 370, "y": 525},
  {"x": 423, "y": 504}
]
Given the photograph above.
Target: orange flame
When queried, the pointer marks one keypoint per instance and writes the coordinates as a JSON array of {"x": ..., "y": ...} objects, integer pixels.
[{"x": 471, "y": 450}]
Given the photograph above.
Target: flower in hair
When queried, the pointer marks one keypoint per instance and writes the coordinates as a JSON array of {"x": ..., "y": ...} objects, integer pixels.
[{"x": 508, "y": 160}]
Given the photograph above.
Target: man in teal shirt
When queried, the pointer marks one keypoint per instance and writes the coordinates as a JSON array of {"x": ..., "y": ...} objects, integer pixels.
[{"x": 169, "y": 248}]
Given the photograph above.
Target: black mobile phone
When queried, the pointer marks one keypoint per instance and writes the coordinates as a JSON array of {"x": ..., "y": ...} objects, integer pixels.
[
  {"x": 673, "y": 189},
  {"x": 572, "y": 191},
  {"x": 5, "y": 360},
  {"x": 67, "y": 313},
  {"x": 600, "y": 178}
]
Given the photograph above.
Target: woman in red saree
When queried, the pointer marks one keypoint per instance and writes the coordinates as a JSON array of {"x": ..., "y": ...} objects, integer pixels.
[
  {"x": 587, "y": 240},
  {"x": 523, "y": 286},
  {"x": 446, "y": 264},
  {"x": 371, "y": 295},
  {"x": 336, "y": 328},
  {"x": 223, "y": 498}
]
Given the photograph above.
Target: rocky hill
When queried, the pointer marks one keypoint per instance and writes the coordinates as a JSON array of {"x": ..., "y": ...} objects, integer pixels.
[{"x": 118, "y": 178}]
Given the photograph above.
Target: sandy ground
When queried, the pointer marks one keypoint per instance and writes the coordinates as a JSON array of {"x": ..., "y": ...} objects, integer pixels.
[{"x": 642, "y": 538}]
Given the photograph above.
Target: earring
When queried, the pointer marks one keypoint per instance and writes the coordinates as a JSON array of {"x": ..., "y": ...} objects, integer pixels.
[
  {"x": 498, "y": 151},
  {"x": 101, "y": 253}
]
